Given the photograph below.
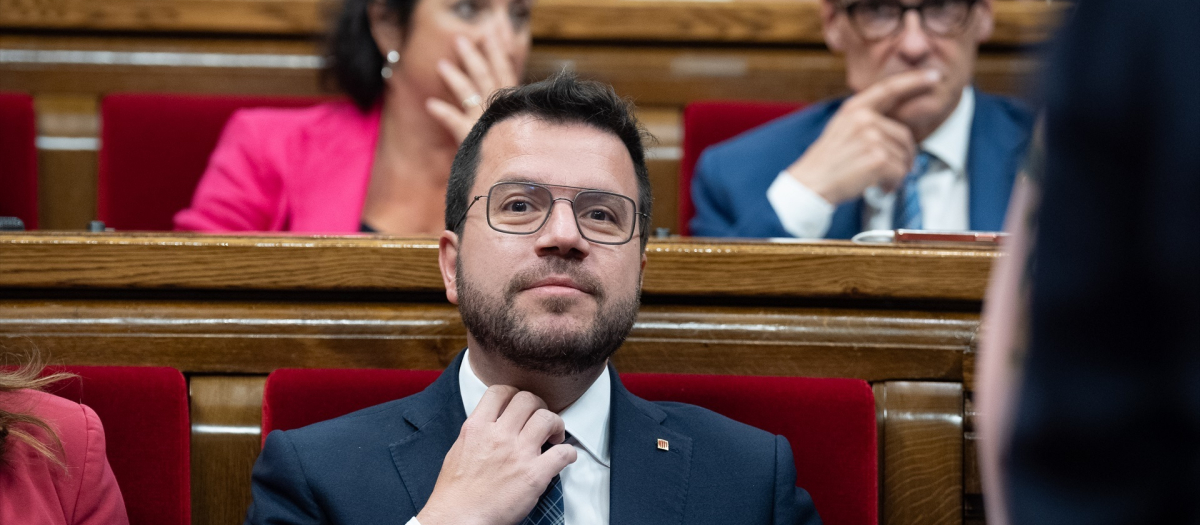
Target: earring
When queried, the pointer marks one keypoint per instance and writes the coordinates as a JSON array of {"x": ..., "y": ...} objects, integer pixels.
[{"x": 393, "y": 56}]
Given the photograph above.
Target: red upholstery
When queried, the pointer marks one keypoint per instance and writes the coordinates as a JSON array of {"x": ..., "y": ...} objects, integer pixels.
[
  {"x": 829, "y": 422},
  {"x": 145, "y": 415},
  {"x": 708, "y": 122},
  {"x": 154, "y": 148},
  {"x": 297, "y": 397},
  {"x": 18, "y": 158}
]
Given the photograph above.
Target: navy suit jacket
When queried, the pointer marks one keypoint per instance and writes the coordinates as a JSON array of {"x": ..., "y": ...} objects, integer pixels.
[
  {"x": 729, "y": 189},
  {"x": 379, "y": 465}
]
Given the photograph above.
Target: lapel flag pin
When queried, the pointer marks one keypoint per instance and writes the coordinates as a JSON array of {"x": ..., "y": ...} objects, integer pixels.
[{"x": 663, "y": 445}]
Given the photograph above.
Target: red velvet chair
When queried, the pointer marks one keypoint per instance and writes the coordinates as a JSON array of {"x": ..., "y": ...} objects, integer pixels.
[
  {"x": 18, "y": 159},
  {"x": 154, "y": 148},
  {"x": 708, "y": 122},
  {"x": 146, "y": 428},
  {"x": 829, "y": 422}
]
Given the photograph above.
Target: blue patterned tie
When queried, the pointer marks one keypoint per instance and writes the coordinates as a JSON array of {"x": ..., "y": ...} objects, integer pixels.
[
  {"x": 549, "y": 509},
  {"x": 907, "y": 211}
]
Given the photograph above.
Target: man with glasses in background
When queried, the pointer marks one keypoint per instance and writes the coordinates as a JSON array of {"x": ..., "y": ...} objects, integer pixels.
[
  {"x": 546, "y": 214},
  {"x": 915, "y": 146}
]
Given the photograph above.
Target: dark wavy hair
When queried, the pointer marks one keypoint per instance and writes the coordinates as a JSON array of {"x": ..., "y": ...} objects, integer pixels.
[
  {"x": 560, "y": 99},
  {"x": 352, "y": 58}
]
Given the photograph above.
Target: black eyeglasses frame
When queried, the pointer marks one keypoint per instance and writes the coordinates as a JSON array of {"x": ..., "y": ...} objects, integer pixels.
[
  {"x": 640, "y": 218},
  {"x": 850, "y": 7}
]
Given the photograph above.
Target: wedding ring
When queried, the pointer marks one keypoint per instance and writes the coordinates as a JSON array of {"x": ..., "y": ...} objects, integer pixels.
[{"x": 472, "y": 101}]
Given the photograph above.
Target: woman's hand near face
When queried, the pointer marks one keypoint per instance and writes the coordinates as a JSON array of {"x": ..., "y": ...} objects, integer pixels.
[{"x": 487, "y": 70}]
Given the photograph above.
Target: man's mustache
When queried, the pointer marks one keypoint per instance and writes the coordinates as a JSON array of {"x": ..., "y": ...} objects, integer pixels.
[{"x": 552, "y": 266}]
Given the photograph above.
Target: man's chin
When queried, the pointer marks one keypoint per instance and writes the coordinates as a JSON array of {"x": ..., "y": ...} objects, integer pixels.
[{"x": 924, "y": 112}]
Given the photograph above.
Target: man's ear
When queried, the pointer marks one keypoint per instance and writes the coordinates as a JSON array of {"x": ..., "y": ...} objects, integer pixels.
[
  {"x": 385, "y": 27},
  {"x": 832, "y": 28},
  {"x": 985, "y": 21},
  {"x": 448, "y": 264},
  {"x": 642, "y": 277}
]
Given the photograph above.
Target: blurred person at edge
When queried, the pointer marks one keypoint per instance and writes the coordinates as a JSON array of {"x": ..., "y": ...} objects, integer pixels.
[
  {"x": 53, "y": 467},
  {"x": 417, "y": 74},
  {"x": 1089, "y": 374},
  {"x": 916, "y": 146}
]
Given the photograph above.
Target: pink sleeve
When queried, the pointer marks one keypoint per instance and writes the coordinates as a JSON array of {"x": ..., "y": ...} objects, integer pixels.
[
  {"x": 241, "y": 189},
  {"x": 99, "y": 500}
]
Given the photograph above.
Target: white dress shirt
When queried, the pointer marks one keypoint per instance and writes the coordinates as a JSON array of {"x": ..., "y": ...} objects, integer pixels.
[
  {"x": 585, "y": 482},
  {"x": 944, "y": 194}
]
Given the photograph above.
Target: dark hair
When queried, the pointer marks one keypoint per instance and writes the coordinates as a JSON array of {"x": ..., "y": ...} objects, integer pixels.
[
  {"x": 560, "y": 99},
  {"x": 352, "y": 58}
]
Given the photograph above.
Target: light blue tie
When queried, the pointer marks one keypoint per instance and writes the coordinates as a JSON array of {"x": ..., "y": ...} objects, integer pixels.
[
  {"x": 907, "y": 211},
  {"x": 549, "y": 509}
]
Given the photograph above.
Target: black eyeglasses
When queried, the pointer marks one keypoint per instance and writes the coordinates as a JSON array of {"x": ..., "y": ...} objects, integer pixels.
[
  {"x": 522, "y": 208},
  {"x": 878, "y": 19}
]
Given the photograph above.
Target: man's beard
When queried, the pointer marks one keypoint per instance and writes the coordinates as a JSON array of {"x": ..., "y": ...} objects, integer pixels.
[{"x": 501, "y": 329}]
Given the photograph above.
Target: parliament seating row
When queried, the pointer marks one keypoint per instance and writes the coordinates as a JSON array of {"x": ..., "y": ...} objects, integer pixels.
[
  {"x": 155, "y": 148},
  {"x": 829, "y": 422}
]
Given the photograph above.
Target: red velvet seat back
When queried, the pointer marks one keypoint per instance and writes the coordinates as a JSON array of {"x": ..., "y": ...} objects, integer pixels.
[
  {"x": 145, "y": 415},
  {"x": 829, "y": 422},
  {"x": 154, "y": 148},
  {"x": 18, "y": 158},
  {"x": 708, "y": 122}
]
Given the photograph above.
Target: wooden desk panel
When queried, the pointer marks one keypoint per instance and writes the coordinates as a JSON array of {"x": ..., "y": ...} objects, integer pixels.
[
  {"x": 743, "y": 21},
  {"x": 228, "y": 310}
]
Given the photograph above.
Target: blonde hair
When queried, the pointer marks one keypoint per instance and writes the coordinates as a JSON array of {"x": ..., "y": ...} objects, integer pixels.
[{"x": 17, "y": 425}]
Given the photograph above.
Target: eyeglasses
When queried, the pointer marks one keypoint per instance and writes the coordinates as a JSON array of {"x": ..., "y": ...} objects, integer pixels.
[
  {"x": 877, "y": 19},
  {"x": 522, "y": 208}
]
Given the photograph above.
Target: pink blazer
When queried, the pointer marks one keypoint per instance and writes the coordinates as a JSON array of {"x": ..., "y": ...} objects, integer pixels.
[
  {"x": 302, "y": 170},
  {"x": 34, "y": 490}
]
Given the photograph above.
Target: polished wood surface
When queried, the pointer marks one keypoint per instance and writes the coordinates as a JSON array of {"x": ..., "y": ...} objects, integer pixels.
[
  {"x": 226, "y": 414},
  {"x": 921, "y": 439},
  {"x": 228, "y": 310},
  {"x": 221, "y": 336},
  {"x": 754, "y": 21},
  {"x": 676, "y": 267}
]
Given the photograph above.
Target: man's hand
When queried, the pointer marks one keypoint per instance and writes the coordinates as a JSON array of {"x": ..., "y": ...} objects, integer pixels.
[
  {"x": 862, "y": 145},
  {"x": 496, "y": 470},
  {"x": 487, "y": 70}
]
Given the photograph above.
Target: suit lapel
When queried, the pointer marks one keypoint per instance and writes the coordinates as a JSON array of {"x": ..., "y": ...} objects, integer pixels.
[
  {"x": 438, "y": 416},
  {"x": 993, "y": 158},
  {"x": 647, "y": 485}
]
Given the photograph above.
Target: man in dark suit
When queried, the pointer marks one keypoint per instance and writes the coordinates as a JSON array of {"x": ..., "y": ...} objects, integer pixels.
[
  {"x": 552, "y": 436},
  {"x": 915, "y": 147}
]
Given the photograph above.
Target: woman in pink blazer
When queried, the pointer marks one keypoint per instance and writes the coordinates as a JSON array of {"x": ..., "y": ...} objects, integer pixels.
[
  {"x": 53, "y": 468},
  {"x": 417, "y": 73}
]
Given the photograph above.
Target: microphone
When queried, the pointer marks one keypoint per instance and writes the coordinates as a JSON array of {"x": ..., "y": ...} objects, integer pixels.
[{"x": 11, "y": 224}]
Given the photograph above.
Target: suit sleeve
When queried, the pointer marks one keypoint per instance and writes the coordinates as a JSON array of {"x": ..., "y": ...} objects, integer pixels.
[
  {"x": 240, "y": 190},
  {"x": 793, "y": 505},
  {"x": 280, "y": 488},
  {"x": 714, "y": 212}
]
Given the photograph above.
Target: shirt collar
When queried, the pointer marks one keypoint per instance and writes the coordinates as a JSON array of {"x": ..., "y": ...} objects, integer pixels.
[
  {"x": 949, "y": 141},
  {"x": 587, "y": 419}
]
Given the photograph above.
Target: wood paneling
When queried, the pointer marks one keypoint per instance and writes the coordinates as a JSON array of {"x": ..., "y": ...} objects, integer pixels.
[
  {"x": 235, "y": 337},
  {"x": 226, "y": 413},
  {"x": 677, "y": 267},
  {"x": 744, "y": 21},
  {"x": 921, "y": 440},
  {"x": 228, "y": 310}
]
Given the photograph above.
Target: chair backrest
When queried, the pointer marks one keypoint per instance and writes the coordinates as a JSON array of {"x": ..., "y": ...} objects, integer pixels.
[
  {"x": 18, "y": 159},
  {"x": 154, "y": 148},
  {"x": 829, "y": 422},
  {"x": 708, "y": 122},
  {"x": 145, "y": 415}
]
